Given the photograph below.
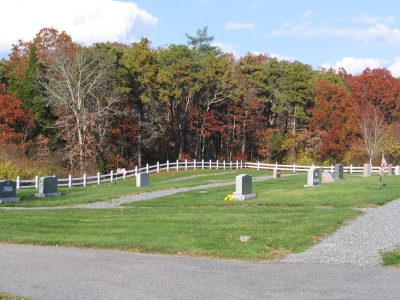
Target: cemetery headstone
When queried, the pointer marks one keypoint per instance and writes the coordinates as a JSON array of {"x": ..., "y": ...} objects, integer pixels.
[
  {"x": 313, "y": 177},
  {"x": 397, "y": 170},
  {"x": 48, "y": 187},
  {"x": 390, "y": 170},
  {"x": 327, "y": 177},
  {"x": 8, "y": 191},
  {"x": 142, "y": 180},
  {"x": 276, "y": 173},
  {"x": 367, "y": 170},
  {"x": 338, "y": 171},
  {"x": 244, "y": 188}
]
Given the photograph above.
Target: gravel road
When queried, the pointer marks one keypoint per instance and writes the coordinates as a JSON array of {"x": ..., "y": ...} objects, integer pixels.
[{"x": 360, "y": 242}]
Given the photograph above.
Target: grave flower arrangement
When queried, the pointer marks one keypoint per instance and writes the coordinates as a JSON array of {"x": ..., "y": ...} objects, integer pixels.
[{"x": 229, "y": 198}]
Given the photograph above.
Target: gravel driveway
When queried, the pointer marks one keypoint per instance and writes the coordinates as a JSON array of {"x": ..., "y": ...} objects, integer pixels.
[{"x": 360, "y": 242}]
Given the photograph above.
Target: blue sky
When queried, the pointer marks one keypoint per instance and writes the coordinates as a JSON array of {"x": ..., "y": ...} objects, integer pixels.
[{"x": 353, "y": 33}]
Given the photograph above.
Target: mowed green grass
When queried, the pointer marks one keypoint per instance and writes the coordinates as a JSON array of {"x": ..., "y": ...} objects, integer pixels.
[
  {"x": 285, "y": 218},
  {"x": 392, "y": 258},
  {"x": 120, "y": 188}
]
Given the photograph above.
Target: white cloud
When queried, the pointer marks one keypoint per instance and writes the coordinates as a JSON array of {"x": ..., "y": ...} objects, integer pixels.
[
  {"x": 290, "y": 58},
  {"x": 308, "y": 13},
  {"x": 87, "y": 21},
  {"x": 369, "y": 19},
  {"x": 395, "y": 67},
  {"x": 374, "y": 30},
  {"x": 237, "y": 26},
  {"x": 227, "y": 47},
  {"x": 356, "y": 65}
]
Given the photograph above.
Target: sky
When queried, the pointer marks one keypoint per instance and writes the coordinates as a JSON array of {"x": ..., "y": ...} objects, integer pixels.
[{"x": 353, "y": 34}]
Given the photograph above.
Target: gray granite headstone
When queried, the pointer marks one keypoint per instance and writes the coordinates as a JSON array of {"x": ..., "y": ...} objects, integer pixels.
[
  {"x": 313, "y": 177},
  {"x": 276, "y": 173},
  {"x": 244, "y": 187},
  {"x": 48, "y": 187},
  {"x": 338, "y": 171},
  {"x": 390, "y": 170},
  {"x": 367, "y": 170},
  {"x": 8, "y": 191},
  {"x": 142, "y": 180}
]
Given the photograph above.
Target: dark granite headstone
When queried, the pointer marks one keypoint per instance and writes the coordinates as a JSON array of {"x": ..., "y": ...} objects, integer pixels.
[
  {"x": 48, "y": 187},
  {"x": 8, "y": 191},
  {"x": 142, "y": 180},
  {"x": 338, "y": 171}
]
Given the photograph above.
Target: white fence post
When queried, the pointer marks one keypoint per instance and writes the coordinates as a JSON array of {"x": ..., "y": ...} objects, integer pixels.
[
  {"x": 194, "y": 164},
  {"x": 202, "y": 164},
  {"x": 210, "y": 164},
  {"x": 147, "y": 168},
  {"x": 98, "y": 178},
  {"x": 84, "y": 179},
  {"x": 185, "y": 164},
  {"x": 241, "y": 164},
  {"x": 112, "y": 175},
  {"x": 276, "y": 165},
  {"x": 230, "y": 165},
  {"x": 18, "y": 183},
  {"x": 158, "y": 167},
  {"x": 135, "y": 171},
  {"x": 258, "y": 165},
  {"x": 237, "y": 165},
  {"x": 177, "y": 164},
  {"x": 217, "y": 164},
  {"x": 167, "y": 165},
  {"x": 69, "y": 180},
  {"x": 351, "y": 169},
  {"x": 331, "y": 168},
  {"x": 294, "y": 167},
  {"x": 36, "y": 182}
]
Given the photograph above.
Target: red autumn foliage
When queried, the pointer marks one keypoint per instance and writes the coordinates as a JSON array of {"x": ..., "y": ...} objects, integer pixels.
[{"x": 15, "y": 122}]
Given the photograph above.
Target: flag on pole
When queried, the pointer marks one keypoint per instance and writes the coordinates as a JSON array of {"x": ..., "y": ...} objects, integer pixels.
[{"x": 383, "y": 163}]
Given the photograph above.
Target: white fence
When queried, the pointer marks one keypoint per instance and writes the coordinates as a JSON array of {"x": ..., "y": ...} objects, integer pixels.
[{"x": 180, "y": 165}]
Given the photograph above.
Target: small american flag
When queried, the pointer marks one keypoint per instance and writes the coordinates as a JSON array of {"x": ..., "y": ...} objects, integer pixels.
[{"x": 383, "y": 163}]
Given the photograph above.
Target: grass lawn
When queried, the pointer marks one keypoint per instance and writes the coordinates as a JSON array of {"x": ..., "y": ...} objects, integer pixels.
[
  {"x": 164, "y": 180},
  {"x": 285, "y": 218},
  {"x": 392, "y": 258}
]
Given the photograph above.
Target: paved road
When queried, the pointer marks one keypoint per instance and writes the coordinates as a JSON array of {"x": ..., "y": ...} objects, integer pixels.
[{"x": 41, "y": 272}]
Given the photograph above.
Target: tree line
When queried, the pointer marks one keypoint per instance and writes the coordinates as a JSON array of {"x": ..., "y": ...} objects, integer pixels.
[{"x": 110, "y": 104}]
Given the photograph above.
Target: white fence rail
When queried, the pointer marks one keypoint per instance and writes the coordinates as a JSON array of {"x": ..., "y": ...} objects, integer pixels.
[{"x": 181, "y": 165}]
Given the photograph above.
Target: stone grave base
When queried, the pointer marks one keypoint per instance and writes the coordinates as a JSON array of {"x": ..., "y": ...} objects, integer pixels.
[
  {"x": 312, "y": 186},
  {"x": 240, "y": 197},
  {"x": 9, "y": 199},
  {"x": 40, "y": 195}
]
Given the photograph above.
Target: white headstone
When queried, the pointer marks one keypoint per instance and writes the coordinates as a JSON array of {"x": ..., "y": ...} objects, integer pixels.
[
  {"x": 327, "y": 177},
  {"x": 367, "y": 170},
  {"x": 276, "y": 173},
  {"x": 313, "y": 177},
  {"x": 397, "y": 170},
  {"x": 142, "y": 180},
  {"x": 244, "y": 187},
  {"x": 390, "y": 170}
]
